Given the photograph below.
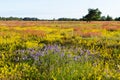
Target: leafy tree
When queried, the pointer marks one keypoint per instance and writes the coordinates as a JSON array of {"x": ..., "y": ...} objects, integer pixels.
[
  {"x": 117, "y": 19},
  {"x": 93, "y": 15},
  {"x": 30, "y": 19},
  {"x": 109, "y": 18},
  {"x": 103, "y": 18},
  {"x": 67, "y": 19},
  {"x": 18, "y": 19}
]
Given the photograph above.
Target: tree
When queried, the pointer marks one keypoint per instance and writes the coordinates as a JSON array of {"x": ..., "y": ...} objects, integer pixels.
[
  {"x": 103, "y": 18},
  {"x": 67, "y": 19},
  {"x": 30, "y": 19},
  {"x": 93, "y": 15},
  {"x": 117, "y": 19},
  {"x": 109, "y": 18}
]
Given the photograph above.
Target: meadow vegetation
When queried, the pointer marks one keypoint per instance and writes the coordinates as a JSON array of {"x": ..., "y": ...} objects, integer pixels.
[{"x": 59, "y": 50}]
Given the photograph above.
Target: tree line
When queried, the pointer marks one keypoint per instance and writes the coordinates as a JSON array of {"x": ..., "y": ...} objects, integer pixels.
[
  {"x": 19, "y": 19},
  {"x": 93, "y": 15}
]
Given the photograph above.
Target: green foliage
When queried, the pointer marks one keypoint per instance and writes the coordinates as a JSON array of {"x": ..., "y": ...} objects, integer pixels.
[
  {"x": 109, "y": 18},
  {"x": 19, "y": 19},
  {"x": 93, "y": 15},
  {"x": 103, "y": 18},
  {"x": 117, "y": 19}
]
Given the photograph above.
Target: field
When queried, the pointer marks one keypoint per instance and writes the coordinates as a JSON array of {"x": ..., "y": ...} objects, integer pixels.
[{"x": 59, "y": 50}]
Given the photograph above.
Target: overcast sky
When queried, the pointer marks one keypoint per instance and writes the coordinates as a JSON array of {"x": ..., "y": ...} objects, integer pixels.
[{"x": 49, "y": 9}]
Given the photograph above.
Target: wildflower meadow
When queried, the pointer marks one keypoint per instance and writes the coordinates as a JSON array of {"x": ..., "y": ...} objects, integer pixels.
[{"x": 59, "y": 50}]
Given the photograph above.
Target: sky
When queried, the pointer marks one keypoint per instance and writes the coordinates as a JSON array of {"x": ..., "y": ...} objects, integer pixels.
[{"x": 49, "y": 9}]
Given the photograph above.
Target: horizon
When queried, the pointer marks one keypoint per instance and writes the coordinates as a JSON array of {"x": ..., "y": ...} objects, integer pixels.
[{"x": 57, "y": 9}]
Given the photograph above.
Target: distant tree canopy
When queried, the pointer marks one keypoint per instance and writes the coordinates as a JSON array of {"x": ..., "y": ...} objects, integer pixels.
[
  {"x": 30, "y": 19},
  {"x": 117, "y": 19},
  {"x": 10, "y": 18},
  {"x": 103, "y": 18},
  {"x": 93, "y": 15},
  {"x": 19, "y": 19},
  {"x": 108, "y": 18},
  {"x": 68, "y": 19}
]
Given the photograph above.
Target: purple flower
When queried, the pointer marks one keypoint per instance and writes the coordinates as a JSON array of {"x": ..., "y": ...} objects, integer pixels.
[
  {"x": 69, "y": 55},
  {"x": 39, "y": 54},
  {"x": 62, "y": 54},
  {"x": 82, "y": 52},
  {"x": 25, "y": 58},
  {"x": 22, "y": 51},
  {"x": 76, "y": 58},
  {"x": 36, "y": 58},
  {"x": 88, "y": 52}
]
